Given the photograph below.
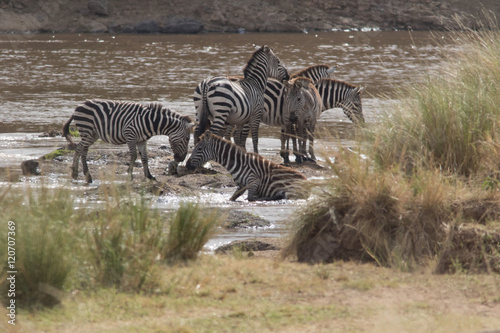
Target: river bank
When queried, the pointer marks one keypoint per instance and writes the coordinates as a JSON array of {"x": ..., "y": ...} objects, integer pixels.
[{"x": 153, "y": 16}]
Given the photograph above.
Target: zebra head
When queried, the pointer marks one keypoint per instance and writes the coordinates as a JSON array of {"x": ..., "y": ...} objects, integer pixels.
[
  {"x": 294, "y": 100},
  {"x": 352, "y": 106},
  {"x": 178, "y": 129},
  {"x": 275, "y": 68},
  {"x": 202, "y": 152}
]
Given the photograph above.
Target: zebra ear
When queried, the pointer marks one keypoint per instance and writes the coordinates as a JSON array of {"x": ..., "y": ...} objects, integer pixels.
[
  {"x": 360, "y": 90},
  {"x": 331, "y": 70}
]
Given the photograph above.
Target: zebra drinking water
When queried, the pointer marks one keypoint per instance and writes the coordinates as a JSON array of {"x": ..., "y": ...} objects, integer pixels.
[
  {"x": 340, "y": 94},
  {"x": 263, "y": 179},
  {"x": 237, "y": 102},
  {"x": 333, "y": 93},
  {"x": 130, "y": 123}
]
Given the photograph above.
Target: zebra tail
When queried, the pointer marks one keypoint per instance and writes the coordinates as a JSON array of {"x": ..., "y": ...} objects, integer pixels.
[
  {"x": 204, "y": 123},
  {"x": 67, "y": 134}
]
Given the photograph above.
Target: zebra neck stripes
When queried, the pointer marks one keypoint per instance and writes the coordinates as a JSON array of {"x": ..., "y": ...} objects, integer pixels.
[
  {"x": 315, "y": 73},
  {"x": 336, "y": 93}
]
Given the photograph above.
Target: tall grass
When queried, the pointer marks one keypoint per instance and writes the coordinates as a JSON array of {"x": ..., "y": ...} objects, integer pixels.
[
  {"x": 190, "y": 229},
  {"x": 125, "y": 241},
  {"x": 397, "y": 204},
  {"x": 43, "y": 244},
  {"x": 450, "y": 119},
  {"x": 120, "y": 243}
]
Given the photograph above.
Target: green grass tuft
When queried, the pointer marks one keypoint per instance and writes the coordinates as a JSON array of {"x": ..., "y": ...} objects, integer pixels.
[{"x": 190, "y": 229}]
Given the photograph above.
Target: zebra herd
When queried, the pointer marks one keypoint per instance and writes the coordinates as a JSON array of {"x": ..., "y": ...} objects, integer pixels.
[{"x": 228, "y": 107}]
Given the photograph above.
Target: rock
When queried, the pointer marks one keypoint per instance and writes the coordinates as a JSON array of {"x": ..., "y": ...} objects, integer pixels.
[
  {"x": 147, "y": 27},
  {"x": 241, "y": 219},
  {"x": 51, "y": 134},
  {"x": 30, "y": 168},
  {"x": 96, "y": 27},
  {"x": 99, "y": 7},
  {"x": 179, "y": 25},
  {"x": 246, "y": 245}
]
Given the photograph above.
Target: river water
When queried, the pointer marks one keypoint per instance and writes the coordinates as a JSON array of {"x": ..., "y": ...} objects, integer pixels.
[{"x": 44, "y": 76}]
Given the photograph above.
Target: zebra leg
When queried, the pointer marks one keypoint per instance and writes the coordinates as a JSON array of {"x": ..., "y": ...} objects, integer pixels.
[
  {"x": 133, "y": 157},
  {"x": 296, "y": 152},
  {"x": 76, "y": 160},
  {"x": 238, "y": 193},
  {"x": 253, "y": 193},
  {"x": 241, "y": 135},
  {"x": 284, "y": 146},
  {"x": 302, "y": 133},
  {"x": 141, "y": 146},
  {"x": 310, "y": 135},
  {"x": 81, "y": 151},
  {"x": 255, "y": 135},
  {"x": 86, "y": 171}
]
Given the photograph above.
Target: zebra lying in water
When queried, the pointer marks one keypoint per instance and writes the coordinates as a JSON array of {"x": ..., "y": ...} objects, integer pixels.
[
  {"x": 130, "y": 123},
  {"x": 263, "y": 179}
]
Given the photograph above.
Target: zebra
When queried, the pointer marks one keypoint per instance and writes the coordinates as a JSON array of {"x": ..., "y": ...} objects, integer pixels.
[
  {"x": 283, "y": 101},
  {"x": 315, "y": 72},
  {"x": 340, "y": 94},
  {"x": 333, "y": 93},
  {"x": 237, "y": 102},
  {"x": 263, "y": 179},
  {"x": 127, "y": 122},
  {"x": 303, "y": 122}
]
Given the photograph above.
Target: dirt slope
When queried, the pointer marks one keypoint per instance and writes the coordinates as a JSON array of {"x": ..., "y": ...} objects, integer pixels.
[{"x": 189, "y": 16}]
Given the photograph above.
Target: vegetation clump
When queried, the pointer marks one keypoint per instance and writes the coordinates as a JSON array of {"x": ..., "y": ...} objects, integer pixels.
[
  {"x": 120, "y": 244},
  {"x": 401, "y": 197}
]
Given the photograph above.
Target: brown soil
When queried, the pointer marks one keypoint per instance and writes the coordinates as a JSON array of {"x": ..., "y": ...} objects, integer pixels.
[{"x": 235, "y": 16}]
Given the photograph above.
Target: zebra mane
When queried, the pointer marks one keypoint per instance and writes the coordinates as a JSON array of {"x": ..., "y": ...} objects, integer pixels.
[
  {"x": 158, "y": 107},
  {"x": 302, "y": 72},
  {"x": 254, "y": 59},
  {"x": 239, "y": 149},
  {"x": 303, "y": 81},
  {"x": 341, "y": 83}
]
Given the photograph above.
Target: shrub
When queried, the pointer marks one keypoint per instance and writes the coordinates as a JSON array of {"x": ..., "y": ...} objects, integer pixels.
[{"x": 364, "y": 213}]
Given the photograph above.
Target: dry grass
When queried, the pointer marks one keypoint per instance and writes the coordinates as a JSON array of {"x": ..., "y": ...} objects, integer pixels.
[
  {"x": 402, "y": 196},
  {"x": 229, "y": 294}
]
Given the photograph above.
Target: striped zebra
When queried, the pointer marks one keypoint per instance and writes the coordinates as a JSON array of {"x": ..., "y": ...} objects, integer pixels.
[
  {"x": 340, "y": 94},
  {"x": 333, "y": 93},
  {"x": 263, "y": 179},
  {"x": 315, "y": 72},
  {"x": 126, "y": 122},
  {"x": 282, "y": 103},
  {"x": 303, "y": 121},
  {"x": 222, "y": 100}
]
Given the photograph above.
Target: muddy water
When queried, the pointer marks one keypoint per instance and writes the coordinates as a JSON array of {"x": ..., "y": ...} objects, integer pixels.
[{"x": 43, "y": 77}]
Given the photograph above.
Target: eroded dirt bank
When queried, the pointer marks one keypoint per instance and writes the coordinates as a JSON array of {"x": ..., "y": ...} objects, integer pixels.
[{"x": 179, "y": 16}]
